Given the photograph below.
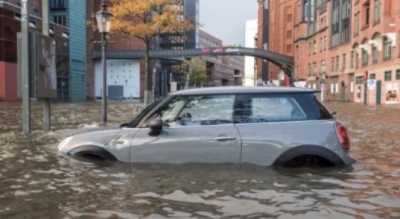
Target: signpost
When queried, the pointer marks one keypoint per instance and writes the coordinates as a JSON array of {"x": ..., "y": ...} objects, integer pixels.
[
  {"x": 371, "y": 84},
  {"x": 36, "y": 67},
  {"x": 24, "y": 68},
  {"x": 46, "y": 101}
]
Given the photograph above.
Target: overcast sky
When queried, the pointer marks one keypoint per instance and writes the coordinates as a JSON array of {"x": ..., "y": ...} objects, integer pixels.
[{"x": 226, "y": 19}]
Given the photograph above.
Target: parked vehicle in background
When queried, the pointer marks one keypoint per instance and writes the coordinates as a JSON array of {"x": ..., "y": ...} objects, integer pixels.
[{"x": 267, "y": 126}]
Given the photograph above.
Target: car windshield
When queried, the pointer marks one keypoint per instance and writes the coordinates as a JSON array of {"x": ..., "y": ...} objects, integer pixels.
[{"x": 142, "y": 114}]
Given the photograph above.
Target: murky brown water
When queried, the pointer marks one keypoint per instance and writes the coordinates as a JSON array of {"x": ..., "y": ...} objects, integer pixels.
[{"x": 38, "y": 182}]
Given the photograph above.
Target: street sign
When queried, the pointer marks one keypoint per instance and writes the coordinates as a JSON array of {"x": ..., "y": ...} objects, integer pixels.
[{"x": 371, "y": 84}]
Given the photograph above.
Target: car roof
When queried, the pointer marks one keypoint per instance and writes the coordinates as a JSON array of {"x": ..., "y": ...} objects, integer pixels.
[{"x": 243, "y": 90}]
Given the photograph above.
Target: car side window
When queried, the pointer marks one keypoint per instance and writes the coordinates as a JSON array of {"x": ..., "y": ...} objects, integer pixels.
[
  {"x": 265, "y": 108},
  {"x": 199, "y": 110}
]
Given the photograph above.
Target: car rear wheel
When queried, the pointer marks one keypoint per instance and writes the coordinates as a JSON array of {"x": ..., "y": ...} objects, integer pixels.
[{"x": 309, "y": 161}]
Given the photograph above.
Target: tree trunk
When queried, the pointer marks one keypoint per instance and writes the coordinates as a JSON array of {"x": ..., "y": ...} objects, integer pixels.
[{"x": 147, "y": 77}]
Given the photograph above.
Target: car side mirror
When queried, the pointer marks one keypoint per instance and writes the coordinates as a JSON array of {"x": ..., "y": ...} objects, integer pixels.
[
  {"x": 124, "y": 125},
  {"x": 155, "y": 126}
]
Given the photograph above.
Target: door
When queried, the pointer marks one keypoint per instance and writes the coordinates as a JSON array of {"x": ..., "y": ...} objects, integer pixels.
[
  {"x": 378, "y": 92},
  {"x": 197, "y": 129},
  {"x": 365, "y": 92},
  {"x": 268, "y": 124}
]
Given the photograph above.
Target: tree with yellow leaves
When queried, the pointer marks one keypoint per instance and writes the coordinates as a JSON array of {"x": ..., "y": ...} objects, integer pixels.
[{"x": 145, "y": 19}]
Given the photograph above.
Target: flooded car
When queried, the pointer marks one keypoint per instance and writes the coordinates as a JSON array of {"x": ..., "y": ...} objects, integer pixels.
[{"x": 265, "y": 126}]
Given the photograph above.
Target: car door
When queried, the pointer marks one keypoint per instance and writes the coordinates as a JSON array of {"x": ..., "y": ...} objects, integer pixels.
[
  {"x": 197, "y": 129},
  {"x": 268, "y": 125}
]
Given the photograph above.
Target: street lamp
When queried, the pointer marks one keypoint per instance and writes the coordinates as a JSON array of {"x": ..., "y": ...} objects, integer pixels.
[{"x": 104, "y": 23}]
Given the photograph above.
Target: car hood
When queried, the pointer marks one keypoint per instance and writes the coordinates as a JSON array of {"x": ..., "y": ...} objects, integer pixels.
[{"x": 95, "y": 137}]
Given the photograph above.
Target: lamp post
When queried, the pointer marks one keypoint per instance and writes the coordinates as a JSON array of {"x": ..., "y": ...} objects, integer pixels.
[{"x": 103, "y": 18}]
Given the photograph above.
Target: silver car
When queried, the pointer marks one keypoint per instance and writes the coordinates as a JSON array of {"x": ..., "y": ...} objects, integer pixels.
[{"x": 267, "y": 126}]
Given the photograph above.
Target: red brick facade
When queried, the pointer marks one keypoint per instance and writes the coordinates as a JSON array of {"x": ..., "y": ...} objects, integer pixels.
[
  {"x": 10, "y": 13},
  {"x": 281, "y": 17},
  {"x": 372, "y": 47}
]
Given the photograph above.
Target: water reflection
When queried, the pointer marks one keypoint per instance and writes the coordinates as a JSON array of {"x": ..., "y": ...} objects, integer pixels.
[{"x": 37, "y": 181}]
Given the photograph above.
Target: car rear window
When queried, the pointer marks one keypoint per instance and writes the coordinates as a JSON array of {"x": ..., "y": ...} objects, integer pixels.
[
  {"x": 267, "y": 108},
  {"x": 256, "y": 108}
]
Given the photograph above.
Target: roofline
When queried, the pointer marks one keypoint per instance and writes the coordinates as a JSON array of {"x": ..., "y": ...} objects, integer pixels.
[{"x": 243, "y": 90}]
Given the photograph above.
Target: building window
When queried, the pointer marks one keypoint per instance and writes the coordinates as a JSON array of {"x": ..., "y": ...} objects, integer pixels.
[
  {"x": 325, "y": 43},
  {"x": 289, "y": 48},
  {"x": 345, "y": 20},
  {"x": 359, "y": 80},
  {"x": 344, "y": 62},
  {"x": 387, "y": 48},
  {"x": 377, "y": 11},
  {"x": 398, "y": 74},
  {"x": 337, "y": 63},
  {"x": 35, "y": 12},
  {"x": 321, "y": 44},
  {"x": 364, "y": 57},
  {"x": 58, "y": 4},
  {"x": 60, "y": 19},
  {"x": 333, "y": 64},
  {"x": 357, "y": 57},
  {"x": 372, "y": 76},
  {"x": 375, "y": 54},
  {"x": 323, "y": 68},
  {"x": 356, "y": 23},
  {"x": 367, "y": 16},
  {"x": 309, "y": 70},
  {"x": 314, "y": 69},
  {"x": 340, "y": 19},
  {"x": 289, "y": 18},
  {"x": 289, "y": 34},
  {"x": 352, "y": 59},
  {"x": 388, "y": 75},
  {"x": 305, "y": 10},
  {"x": 315, "y": 47},
  {"x": 309, "y": 49}
]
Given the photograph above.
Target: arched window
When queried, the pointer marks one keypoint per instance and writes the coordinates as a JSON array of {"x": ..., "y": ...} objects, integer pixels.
[
  {"x": 364, "y": 53},
  {"x": 387, "y": 48}
]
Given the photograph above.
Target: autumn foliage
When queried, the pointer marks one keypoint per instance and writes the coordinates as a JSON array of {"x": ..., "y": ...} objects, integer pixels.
[{"x": 145, "y": 19}]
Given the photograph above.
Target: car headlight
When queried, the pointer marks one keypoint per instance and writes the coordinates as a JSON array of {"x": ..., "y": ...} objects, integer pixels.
[{"x": 64, "y": 142}]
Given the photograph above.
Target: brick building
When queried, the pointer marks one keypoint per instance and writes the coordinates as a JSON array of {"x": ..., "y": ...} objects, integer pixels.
[
  {"x": 10, "y": 25},
  {"x": 339, "y": 44},
  {"x": 275, "y": 33},
  {"x": 349, "y": 42}
]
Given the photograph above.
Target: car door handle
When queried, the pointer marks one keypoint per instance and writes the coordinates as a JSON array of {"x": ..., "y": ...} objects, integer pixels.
[{"x": 224, "y": 138}]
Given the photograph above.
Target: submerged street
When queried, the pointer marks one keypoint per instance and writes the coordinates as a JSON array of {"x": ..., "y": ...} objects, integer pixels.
[{"x": 38, "y": 182}]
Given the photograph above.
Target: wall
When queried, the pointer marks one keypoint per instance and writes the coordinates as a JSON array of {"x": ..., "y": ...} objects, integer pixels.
[
  {"x": 249, "y": 61},
  {"x": 119, "y": 72},
  {"x": 77, "y": 24},
  {"x": 8, "y": 82}
]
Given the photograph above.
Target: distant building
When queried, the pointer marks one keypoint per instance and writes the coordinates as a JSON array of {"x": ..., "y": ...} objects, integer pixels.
[
  {"x": 263, "y": 39},
  {"x": 250, "y": 64},
  {"x": 221, "y": 70},
  {"x": 170, "y": 70}
]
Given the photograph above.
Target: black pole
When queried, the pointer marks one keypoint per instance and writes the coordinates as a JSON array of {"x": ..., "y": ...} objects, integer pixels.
[{"x": 103, "y": 63}]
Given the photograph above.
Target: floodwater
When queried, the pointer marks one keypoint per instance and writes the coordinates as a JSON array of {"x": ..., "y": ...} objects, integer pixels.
[{"x": 38, "y": 182}]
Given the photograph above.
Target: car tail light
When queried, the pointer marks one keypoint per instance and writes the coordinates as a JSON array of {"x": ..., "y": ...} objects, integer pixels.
[{"x": 343, "y": 136}]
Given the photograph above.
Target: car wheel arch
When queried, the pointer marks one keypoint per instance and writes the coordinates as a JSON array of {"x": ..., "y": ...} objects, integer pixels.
[
  {"x": 93, "y": 151},
  {"x": 304, "y": 150}
]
